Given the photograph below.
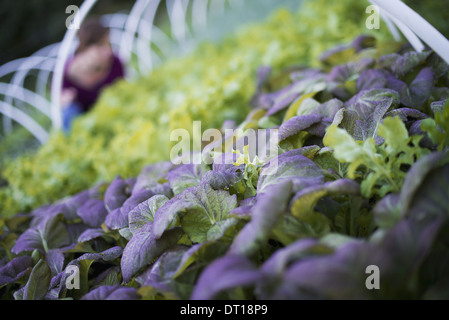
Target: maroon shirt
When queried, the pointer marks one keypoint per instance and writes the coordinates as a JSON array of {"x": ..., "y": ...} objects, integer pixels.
[{"x": 87, "y": 97}]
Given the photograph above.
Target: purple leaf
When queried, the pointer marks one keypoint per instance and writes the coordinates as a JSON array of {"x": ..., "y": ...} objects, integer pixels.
[
  {"x": 90, "y": 234},
  {"x": 419, "y": 91},
  {"x": 144, "y": 248},
  {"x": 371, "y": 79},
  {"x": 290, "y": 166},
  {"x": 93, "y": 213},
  {"x": 78, "y": 200},
  {"x": 28, "y": 241},
  {"x": 185, "y": 176},
  {"x": 344, "y": 72},
  {"x": 297, "y": 124},
  {"x": 328, "y": 109},
  {"x": 116, "y": 220},
  {"x": 116, "y": 194},
  {"x": 107, "y": 255},
  {"x": 408, "y": 62},
  {"x": 224, "y": 178},
  {"x": 244, "y": 207},
  {"x": 285, "y": 97},
  {"x": 135, "y": 199},
  {"x": 151, "y": 175},
  {"x": 145, "y": 212},
  {"x": 55, "y": 261},
  {"x": 116, "y": 292},
  {"x": 264, "y": 216},
  {"x": 15, "y": 269},
  {"x": 223, "y": 274},
  {"x": 198, "y": 208},
  {"x": 366, "y": 110},
  {"x": 363, "y": 42}
]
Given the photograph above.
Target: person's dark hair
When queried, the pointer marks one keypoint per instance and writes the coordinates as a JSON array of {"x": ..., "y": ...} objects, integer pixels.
[{"x": 91, "y": 31}]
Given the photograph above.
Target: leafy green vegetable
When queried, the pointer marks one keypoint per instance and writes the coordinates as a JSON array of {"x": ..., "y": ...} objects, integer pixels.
[{"x": 382, "y": 165}]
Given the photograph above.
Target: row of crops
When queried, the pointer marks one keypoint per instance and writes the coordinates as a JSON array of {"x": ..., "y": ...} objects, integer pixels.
[{"x": 361, "y": 176}]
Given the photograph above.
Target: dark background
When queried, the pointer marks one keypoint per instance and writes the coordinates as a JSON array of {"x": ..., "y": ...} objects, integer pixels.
[{"x": 29, "y": 25}]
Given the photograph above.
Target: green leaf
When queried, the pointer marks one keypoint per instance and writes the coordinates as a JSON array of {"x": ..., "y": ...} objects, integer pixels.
[
  {"x": 55, "y": 234},
  {"x": 438, "y": 129},
  {"x": 380, "y": 166},
  {"x": 38, "y": 282},
  {"x": 304, "y": 202},
  {"x": 198, "y": 209},
  {"x": 144, "y": 212}
]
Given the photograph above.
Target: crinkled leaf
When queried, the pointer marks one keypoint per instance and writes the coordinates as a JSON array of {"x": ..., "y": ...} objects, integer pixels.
[
  {"x": 290, "y": 166},
  {"x": 407, "y": 114},
  {"x": 151, "y": 176},
  {"x": 346, "y": 71},
  {"x": 384, "y": 167},
  {"x": 145, "y": 212},
  {"x": 144, "y": 248},
  {"x": 185, "y": 176},
  {"x": 418, "y": 92},
  {"x": 198, "y": 209},
  {"x": 371, "y": 79},
  {"x": 370, "y": 106},
  {"x": 225, "y": 230},
  {"x": 304, "y": 86},
  {"x": 136, "y": 198},
  {"x": 408, "y": 62},
  {"x": 223, "y": 178},
  {"x": 327, "y": 109}
]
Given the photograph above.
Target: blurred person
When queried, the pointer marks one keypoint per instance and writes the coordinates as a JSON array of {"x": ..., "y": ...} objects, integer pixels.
[{"x": 93, "y": 67}]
